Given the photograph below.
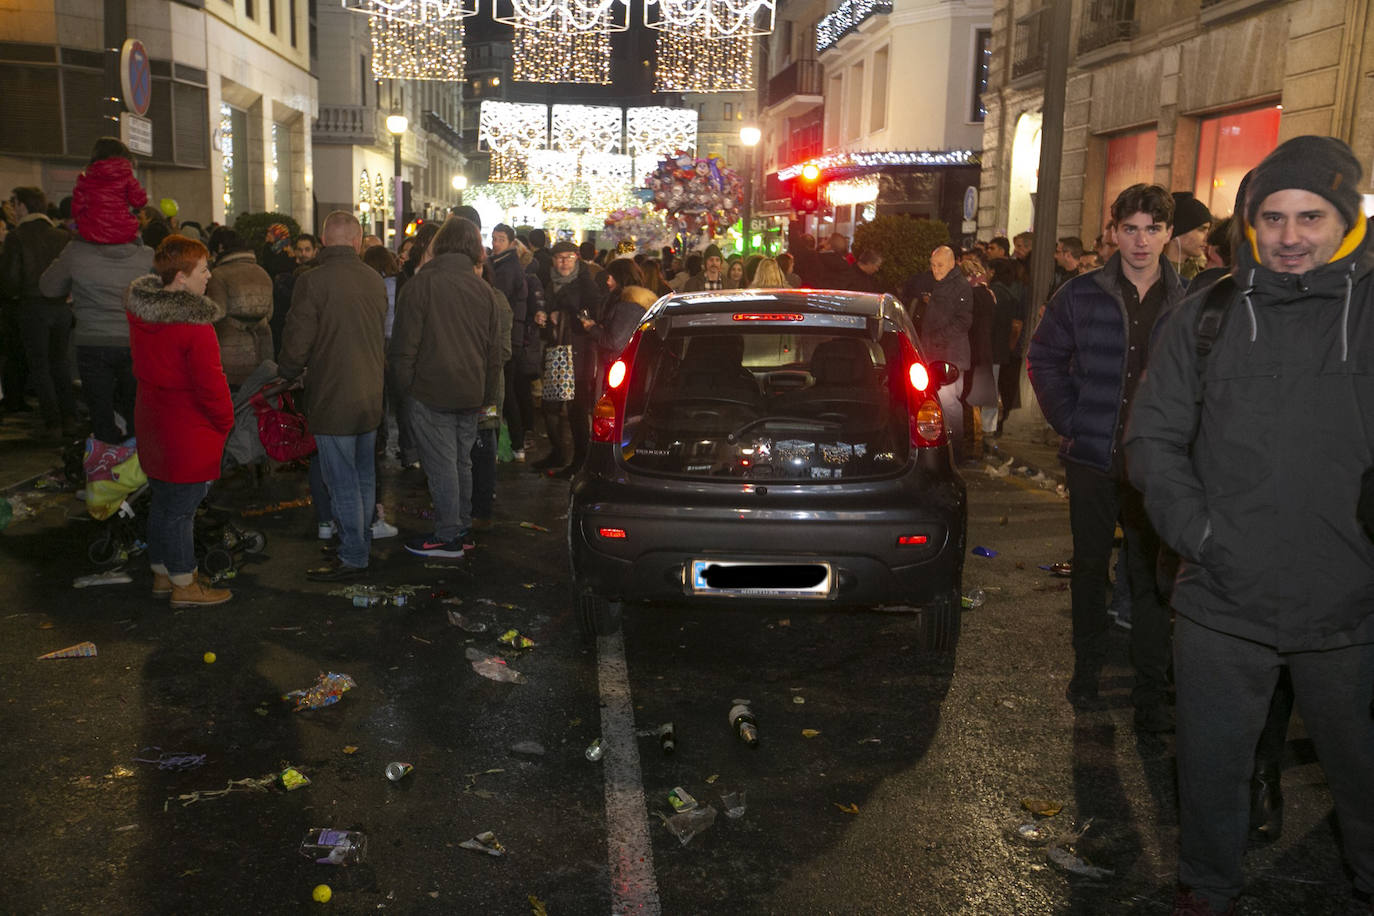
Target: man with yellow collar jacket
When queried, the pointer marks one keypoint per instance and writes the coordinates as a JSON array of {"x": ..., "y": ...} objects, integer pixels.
[{"x": 1251, "y": 462}]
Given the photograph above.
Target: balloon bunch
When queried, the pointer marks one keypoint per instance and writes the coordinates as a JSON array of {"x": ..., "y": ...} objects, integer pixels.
[
  {"x": 646, "y": 228},
  {"x": 696, "y": 193}
]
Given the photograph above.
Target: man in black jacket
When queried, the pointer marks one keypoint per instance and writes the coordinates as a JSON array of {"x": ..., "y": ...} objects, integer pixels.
[
  {"x": 1251, "y": 461},
  {"x": 944, "y": 329},
  {"x": 509, "y": 277},
  {"x": 44, "y": 324}
]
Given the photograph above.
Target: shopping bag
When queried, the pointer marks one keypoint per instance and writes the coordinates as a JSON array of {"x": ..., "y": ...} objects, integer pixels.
[{"x": 560, "y": 381}]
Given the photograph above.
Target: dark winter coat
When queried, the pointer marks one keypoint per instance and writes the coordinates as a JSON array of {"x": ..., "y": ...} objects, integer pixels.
[
  {"x": 947, "y": 320},
  {"x": 528, "y": 353},
  {"x": 581, "y": 294},
  {"x": 243, "y": 292},
  {"x": 334, "y": 330},
  {"x": 1251, "y": 463},
  {"x": 446, "y": 345},
  {"x": 29, "y": 249},
  {"x": 103, "y": 201},
  {"x": 1077, "y": 361},
  {"x": 509, "y": 279},
  {"x": 97, "y": 277},
  {"x": 833, "y": 271},
  {"x": 979, "y": 387},
  {"x": 183, "y": 412},
  {"x": 620, "y": 315}
]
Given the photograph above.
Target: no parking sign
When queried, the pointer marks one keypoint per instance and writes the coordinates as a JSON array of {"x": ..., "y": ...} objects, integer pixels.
[{"x": 135, "y": 76}]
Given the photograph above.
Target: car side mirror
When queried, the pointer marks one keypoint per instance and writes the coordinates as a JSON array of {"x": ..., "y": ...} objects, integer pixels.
[{"x": 943, "y": 373}]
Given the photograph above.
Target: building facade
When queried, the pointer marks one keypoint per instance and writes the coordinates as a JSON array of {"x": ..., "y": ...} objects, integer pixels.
[
  {"x": 231, "y": 99},
  {"x": 1189, "y": 94}
]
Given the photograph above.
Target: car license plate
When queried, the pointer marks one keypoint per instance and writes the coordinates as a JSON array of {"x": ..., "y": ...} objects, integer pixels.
[{"x": 760, "y": 579}]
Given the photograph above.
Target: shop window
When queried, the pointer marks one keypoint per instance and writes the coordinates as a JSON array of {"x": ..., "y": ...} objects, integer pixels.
[
  {"x": 982, "y": 63},
  {"x": 1130, "y": 160},
  {"x": 1228, "y": 146}
]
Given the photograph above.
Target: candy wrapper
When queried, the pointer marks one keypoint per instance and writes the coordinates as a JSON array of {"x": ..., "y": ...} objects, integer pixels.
[
  {"x": 325, "y": 692},
  {"x": 516, "y": 641}
]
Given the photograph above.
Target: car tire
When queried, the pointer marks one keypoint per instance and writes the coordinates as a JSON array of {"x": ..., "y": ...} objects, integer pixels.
[
  {"x": 941, "y": 621},
  {"x": 597, "y": 616}
]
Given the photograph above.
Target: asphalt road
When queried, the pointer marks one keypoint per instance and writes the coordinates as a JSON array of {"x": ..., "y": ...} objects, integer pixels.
[{"x": 887, "y": 779}]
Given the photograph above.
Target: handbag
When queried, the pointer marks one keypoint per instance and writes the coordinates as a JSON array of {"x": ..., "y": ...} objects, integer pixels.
[
  {"x": 559, "y": 379},
  {"x": 284, "y": 433}
]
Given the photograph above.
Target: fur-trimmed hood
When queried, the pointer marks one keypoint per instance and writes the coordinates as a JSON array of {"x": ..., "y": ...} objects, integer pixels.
[
  {"x": 150, "y": 301},
  {"x": 639, "y": 295}
]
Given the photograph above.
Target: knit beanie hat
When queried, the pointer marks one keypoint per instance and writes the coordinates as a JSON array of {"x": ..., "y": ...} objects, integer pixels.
[
  {"x": 1189, "y": 213},
  {"x": 1322, "y": 165},
  {"x": 711, "y": 252}
]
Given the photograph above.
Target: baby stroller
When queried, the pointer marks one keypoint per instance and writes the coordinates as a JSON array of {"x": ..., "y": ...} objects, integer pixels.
[
  {"x": 266, "y": 423},
  {"x": 117, "y": 495}
]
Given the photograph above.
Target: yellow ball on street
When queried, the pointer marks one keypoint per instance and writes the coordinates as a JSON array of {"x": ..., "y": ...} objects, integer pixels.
[
  {"x": 209, "y": 658},
  {"x": 322, "y": 893}
]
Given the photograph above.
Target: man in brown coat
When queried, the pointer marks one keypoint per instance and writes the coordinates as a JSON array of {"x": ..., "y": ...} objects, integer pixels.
[{"x": 334, "y": 330}]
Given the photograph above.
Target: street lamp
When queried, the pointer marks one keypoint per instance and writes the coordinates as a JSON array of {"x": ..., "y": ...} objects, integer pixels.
[
  {"x": 749, "y": 136},
  {"x": 460, "y": 183},
  {"x": 396, "y": 124}
]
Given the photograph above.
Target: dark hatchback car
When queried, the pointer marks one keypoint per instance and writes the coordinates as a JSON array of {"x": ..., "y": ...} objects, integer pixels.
[{"x": 766, "y": 446}]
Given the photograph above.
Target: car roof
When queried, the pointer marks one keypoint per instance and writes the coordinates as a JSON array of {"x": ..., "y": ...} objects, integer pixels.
[{"x": 836, "y": 301}]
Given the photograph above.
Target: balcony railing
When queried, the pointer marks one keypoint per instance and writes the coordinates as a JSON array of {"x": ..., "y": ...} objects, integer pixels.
[
  {"x": 1106, "y": 22},
  {"x": 803, "y": 77},
  {"x": 847, "y": 17},
  {"x": 438, "y": 127},
  {"x": 361, "y": 125},
  {"x": 1029, "y": 41}
]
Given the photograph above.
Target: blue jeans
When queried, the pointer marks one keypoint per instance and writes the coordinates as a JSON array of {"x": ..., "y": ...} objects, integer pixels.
[
  {"x": 350, "y": 473},
  {"x": 444, "y": 439},
  {"x": 108, "y": 386},
  {"x": 484, "y": 472},
  {"x": 171, "y": 524}
]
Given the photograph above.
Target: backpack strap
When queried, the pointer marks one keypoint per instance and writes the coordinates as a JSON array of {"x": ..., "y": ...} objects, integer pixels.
[{"x": 1212, "y": 315}]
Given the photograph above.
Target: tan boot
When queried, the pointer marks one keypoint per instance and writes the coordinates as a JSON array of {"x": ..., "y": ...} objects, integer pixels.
[
  {"x": 198, "y": 594},
  {"x": 162, "y": 585}
]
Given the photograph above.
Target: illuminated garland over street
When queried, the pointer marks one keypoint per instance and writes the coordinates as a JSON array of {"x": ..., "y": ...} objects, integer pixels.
[
  {"x": 417, "y": 51},
  {"x": 563, "y": 15},
  {"x": 711, "y": 18},
  {"x": 864, "y": 160},
  {"x": 561, "y": 57},
  {"x": 690, "y": 64},
  {"x": 511, "y": 131}
]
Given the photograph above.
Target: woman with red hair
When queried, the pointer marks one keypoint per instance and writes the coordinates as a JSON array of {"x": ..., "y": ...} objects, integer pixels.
[{"x": 183, "y": 412}]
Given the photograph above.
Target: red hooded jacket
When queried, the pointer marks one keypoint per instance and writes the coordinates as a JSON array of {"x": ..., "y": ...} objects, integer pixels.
[
  {"x": 183, "y": 412},
  {"x": 102, "y": 199}
]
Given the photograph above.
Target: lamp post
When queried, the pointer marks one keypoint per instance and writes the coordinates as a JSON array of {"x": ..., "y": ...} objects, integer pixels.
[
  {"x": 749, "y": 136},
  {"x": 396, "y": 124},
  {"x": 460, "y": 183}
]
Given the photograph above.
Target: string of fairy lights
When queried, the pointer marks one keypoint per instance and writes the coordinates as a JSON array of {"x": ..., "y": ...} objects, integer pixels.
[{"x": 702, "y": 45}]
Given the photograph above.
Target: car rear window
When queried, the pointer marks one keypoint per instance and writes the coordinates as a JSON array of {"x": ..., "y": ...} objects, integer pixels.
[{"x": 769, "y": 402}]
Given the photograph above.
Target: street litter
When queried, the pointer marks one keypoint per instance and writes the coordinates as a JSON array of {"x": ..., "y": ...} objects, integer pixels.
[
  {"x": 421, "y": 639},
  {"x": 809, "y": 732},
  {"x": 516, "y": 641},
  {"x": 501, "y": 604},
  {"x": 494, "y": 668},
  {"x": 1032, "y": 832},
  {"x": 485, "y": 842},
  {"x": 594, "y": 751},
  {"x": 261, "y": 784},
  {"x": 1040, "y": 807},
  {"x": 292, "y": 779},
  {"x": 741, "y": 719},
  {"x": 711, "y": 780},
  {"x": 396, "y": 770},
  {"x": 350, "y": 749},
  {"x": 172, "y": 761},
  {"x": 734, "y": 803},
  {"x": 1063, "y": 570},
  {"x": 528, "y": 748},
  {"x": 465, "y": 624},
  {"x": 473, "y": 777},
  {"x": 537, "y": 907},
  {"x": 667, "y": 738},
  {"x": 322, "y": 893},
  {"x": 326, "y": 691},
  {"x": 334, "y": 847},
  {"x": 799, "y": 700},
  {"x": 974, "y": 598},
  {"x": 378, "y": 595},
  {"x": 850, "y": 808},
  {"x": 986, "y": 552},
  {"x": 1075, "y": 865},
  {"x": 119, "y": 772},
  {"x": 681, "y": 800},
  {"x": 870, "y": 740},
  {"x": 108, "y": 577},
  {"x": 80, "y": 650},
  {"x": 126, "y": 828},
  {"x": 275, "y": 507},
  {"x": 1001, "y": 470},
  {"x": 531, "y": 526},
  {"x": 687, "y": 824}
]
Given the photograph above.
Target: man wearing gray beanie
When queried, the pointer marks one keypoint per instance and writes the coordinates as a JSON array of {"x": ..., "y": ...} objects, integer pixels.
[{"x": 1250, "y": 452}]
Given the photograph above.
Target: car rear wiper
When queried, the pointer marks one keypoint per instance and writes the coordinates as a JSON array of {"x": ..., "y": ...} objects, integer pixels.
[{"x": 809, "y": 422}]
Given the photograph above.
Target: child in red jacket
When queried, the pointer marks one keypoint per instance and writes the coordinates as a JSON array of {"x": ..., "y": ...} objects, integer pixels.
[{"x": 105, "y": 193}]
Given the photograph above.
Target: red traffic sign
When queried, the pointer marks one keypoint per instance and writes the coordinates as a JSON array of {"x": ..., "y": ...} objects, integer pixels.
[{"x": 135, "y": 76}]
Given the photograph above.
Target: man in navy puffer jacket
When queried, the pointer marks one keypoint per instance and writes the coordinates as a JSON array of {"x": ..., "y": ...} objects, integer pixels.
[{"x": 1085, "y": 360}]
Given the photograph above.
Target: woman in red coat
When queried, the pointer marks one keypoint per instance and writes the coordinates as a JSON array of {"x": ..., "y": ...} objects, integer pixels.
[{"x": 183, "y": 398}]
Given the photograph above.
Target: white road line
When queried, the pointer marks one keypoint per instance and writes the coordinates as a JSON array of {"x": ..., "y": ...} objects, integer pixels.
[{"x": 633, "y": 886}]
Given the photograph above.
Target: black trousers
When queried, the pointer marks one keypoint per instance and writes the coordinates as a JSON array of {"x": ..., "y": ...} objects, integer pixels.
[{"x": 1097, "y": 502}]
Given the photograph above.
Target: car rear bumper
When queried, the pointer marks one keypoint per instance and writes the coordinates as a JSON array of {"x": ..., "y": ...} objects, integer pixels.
[{"x": 852, "y": 531}]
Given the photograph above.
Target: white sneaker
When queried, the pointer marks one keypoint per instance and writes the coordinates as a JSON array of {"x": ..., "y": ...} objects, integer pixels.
[
  {"x": 381, "y": 528},
  {"x": 518, "y": 455},
  {"x": 325, "y": 531}
]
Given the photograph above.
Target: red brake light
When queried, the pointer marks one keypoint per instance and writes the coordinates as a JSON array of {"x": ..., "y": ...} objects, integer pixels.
[
  {"x": 616, "y": 375},
  {"x": 766, "y": 316},
  {"x": 614, "y": 533},
  {"x": 911, "y": 540},
  {"x": 610, "y": 407},
  {"x": 926, "y": 418},
  {"x": 920, "y": 378}
]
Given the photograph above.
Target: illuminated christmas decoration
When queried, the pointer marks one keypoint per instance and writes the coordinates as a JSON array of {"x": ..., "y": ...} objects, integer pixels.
[
  {"x": 541, "y": 56},
  {"x": 511, "y": 130},
  {"x": 657, "y": 131},
  {"x": 416, "y": 11},
  {"x": 852, "y": 191},
  {"x": 365, "y": 190},
  {"x": 552, "y": 176},
  {"x": 846, "y": 18},
  {"x": 711, "y": 19},
  {"x": 564, "y": 15},
  {"x": 585, "y": 128},
  {"x": 417, "y": 50},
  {"x": 687, "y": 63},
  {"x": 864, "y": 160}
]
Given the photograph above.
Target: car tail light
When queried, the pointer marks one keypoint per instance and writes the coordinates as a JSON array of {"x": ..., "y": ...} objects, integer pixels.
[
  {"x": 912, "y": 540},
  {"x": 610, "y": 407},
  {"x": 766, "y": 316},
  {"x": 613, "y": 533},
  {"x": 926, "y": 418}
]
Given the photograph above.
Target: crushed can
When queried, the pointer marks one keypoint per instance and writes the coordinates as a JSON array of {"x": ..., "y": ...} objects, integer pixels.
[{"x": 396, "y": 770}]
